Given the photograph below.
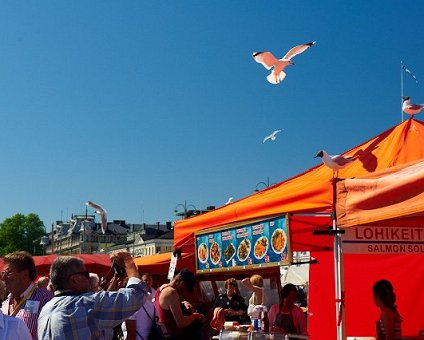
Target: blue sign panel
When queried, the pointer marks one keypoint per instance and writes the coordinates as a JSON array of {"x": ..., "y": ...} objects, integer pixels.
[{"x": 255, "y": 244}]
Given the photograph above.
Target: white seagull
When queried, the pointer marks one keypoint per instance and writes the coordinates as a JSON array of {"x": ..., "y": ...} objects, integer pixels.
[
  {"x": 102, "y": 212},
  {"x": 230, "y": 200},
  {"x": 411, "y": 109},
  {"x": 335, "y": 162},
  {"x": 269, "y": 61},
  {"x": 272, "y": 136}
]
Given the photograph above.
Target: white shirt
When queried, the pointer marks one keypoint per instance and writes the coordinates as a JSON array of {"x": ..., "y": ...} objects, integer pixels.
[
  {"x": 142, "y": 320},
  {"x": 13, "y": 328}
]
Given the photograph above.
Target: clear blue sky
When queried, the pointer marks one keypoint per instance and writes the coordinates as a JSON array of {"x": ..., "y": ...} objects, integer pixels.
[{"x": 141, "y": 105}]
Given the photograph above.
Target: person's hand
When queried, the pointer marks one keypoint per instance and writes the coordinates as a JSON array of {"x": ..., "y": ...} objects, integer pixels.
[
  {"x": 199, "y": 316},
  {"x": 231, "y": 312},
  {"x": 188, "y": 306},
  {"x": 125, "y": 260}
]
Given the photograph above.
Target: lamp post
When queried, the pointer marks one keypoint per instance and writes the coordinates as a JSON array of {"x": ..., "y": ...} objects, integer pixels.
[
  {"x": 85, "y": 232},
  {"x": 266, "y": 185},
  {"x": 186, "y": 212},
  {"x": 44, "y": 241}
]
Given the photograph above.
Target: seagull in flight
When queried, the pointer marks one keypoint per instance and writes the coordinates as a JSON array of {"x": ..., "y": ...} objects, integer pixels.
[
  {"x": 272, "y": 136},
  {"x": 102, "y": 212},
  {"x": 335, "y": 162},
  {"x": 269, "y": 61},
  {"x": 411, "y": 109},
  {"x": 230, "y": 200}
]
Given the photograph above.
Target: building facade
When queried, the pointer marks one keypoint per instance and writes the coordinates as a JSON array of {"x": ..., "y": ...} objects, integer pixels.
[{"x": 82, "y": 235}]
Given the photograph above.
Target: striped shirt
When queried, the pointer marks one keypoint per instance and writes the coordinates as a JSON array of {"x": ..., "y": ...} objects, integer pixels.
[
  {"x": 89, "y": 315},
  {"x": 30, "y": 309},
  {"x": 381, "y": 332}
]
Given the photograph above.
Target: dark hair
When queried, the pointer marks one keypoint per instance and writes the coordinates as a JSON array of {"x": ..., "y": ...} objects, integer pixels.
[
  {"x": 22, "y": 260},
  {"x": 230, "y": 281},
  {"x": 287, "y": 289},
  {"x": 61, "y": 268},
  {"x": 188, "y": 278},
  {"x": 383, "y": 290}
]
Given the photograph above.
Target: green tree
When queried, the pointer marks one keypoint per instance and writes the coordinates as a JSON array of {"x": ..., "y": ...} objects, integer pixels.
[{"x": 21, "y": 232}]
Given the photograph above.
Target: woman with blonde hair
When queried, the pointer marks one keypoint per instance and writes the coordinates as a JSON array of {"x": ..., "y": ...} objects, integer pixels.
[{"x": 255, "y": 284}]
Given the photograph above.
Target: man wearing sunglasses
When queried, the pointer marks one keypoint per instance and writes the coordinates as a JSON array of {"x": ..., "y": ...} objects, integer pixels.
[
  {"x": 25, "y": 300},
  {"x": 78, "y": 313}
]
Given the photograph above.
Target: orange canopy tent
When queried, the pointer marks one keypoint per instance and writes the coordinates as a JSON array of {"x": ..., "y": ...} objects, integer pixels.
[
  {"x": 394, "y": 193},
  {"x": 312, "y": 192},
  {"x": 96, "y": 263},
  {"x": 159, "y": 264},
  {"x": 391, "y": 198}
]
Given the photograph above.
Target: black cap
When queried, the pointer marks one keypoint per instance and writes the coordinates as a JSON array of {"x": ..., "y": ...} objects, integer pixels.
[{"x": 188, "y": 277}]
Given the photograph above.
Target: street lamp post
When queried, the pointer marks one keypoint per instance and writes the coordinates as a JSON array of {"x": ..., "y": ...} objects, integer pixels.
[
  {"x": 44, "y": 241},
  {"x": 186, "y": 212},
  {"x": 266, "y": 185}
]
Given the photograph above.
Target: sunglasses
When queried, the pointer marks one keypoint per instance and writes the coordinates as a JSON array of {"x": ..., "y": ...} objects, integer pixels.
[
  {"x": 84, "y": 273},
  {"x": 6, "y": 273}
]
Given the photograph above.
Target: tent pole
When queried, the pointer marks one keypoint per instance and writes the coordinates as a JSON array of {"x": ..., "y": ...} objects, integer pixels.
[
  {"x": 338, "y": 275},
  {"x": 401, "y": 90},
  {"x": 338, "y": 282}
]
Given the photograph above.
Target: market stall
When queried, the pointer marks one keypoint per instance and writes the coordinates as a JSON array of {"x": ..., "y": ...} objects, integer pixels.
[
  {"x": 383, "y": 214},
  {"x": 96, "y": 263},
  {"x": 307, "y": 198}
]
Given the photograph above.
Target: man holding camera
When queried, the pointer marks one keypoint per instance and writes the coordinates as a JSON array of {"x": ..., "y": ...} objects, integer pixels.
[{"x": 77, "y": 313}]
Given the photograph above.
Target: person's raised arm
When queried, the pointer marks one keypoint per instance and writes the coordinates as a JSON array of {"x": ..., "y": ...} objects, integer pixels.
[
  {"x": 258, "y": 290},
  {"x": 173, "y": 301}
]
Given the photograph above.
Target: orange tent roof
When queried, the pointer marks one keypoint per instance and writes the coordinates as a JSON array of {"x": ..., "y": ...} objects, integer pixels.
[
  {"x": 311, "y": 191},
  {"x": 390, "y": 194},
  {"x": 159, "y": 263}
]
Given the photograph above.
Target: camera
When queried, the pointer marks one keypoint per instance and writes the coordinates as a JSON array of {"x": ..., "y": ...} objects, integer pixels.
[{"x": 118, "y": 270}]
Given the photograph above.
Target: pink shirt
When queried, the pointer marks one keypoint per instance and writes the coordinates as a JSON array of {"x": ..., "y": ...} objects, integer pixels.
[
  {"x": 298, "y": 316},
  {"x": 30, "y": 309}
]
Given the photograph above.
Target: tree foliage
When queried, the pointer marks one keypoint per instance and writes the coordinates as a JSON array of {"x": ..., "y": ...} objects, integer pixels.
[{"x": 21, "y": 232}]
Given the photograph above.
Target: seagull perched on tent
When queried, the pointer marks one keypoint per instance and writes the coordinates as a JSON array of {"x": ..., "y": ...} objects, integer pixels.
[
  {"x": 335, "y": 162},
  {"x": 411, "y": 109},
  {"x": 230, "y": 200},
  {"x": 272, "y": 136},
  {"x": 102, "y": 212},
  {"x": 269, "y": 61}
]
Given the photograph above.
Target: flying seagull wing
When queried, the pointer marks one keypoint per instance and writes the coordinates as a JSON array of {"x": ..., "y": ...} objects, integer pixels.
[
  {"x": 102, "y": 212},
  {"x": 297, "y": 50},
  {"x": 266, "y": 138},
  {"x": 266, "y": 59}
]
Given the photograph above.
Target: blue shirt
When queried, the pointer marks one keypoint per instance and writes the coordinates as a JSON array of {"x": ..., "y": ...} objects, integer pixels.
[{"x": 89, "y": 315}]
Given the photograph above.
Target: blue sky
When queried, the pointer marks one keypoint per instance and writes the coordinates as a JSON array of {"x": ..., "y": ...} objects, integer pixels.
[{"x": 142, "y": 105}]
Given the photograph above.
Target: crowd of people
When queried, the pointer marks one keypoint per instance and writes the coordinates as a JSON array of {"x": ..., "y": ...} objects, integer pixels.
[{"x": 72, "y": 303}]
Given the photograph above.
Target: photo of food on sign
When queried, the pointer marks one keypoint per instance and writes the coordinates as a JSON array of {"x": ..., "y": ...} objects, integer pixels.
[
  {"x": 215, "y": 253},
  {"x": 229, "y": 252},
  {"x": 202, "y": 253},
  {"x": 243, "y": 250},
  {"x": 278, "y": 241},
  {"x": 261, "y": 247}
]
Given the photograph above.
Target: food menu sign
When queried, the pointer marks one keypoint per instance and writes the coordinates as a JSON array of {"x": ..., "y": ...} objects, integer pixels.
[{"x": 262, "y": 243}]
